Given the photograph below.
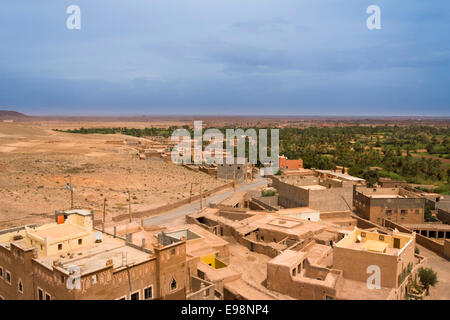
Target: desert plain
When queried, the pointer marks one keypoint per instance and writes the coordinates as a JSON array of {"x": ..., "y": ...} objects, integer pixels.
[{"x": 37, "y": 163}]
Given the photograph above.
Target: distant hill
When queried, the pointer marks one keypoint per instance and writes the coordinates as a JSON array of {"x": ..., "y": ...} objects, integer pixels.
[{"x": 12, "y": 115}]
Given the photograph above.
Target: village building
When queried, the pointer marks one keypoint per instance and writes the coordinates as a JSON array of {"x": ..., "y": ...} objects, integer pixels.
[
  {"x": 395, "y": 204},
  {"x": 69, "y": 260},
  {"x": 289, "y": 164},
  {"x": 233, "y": 171},
  {"x": 323, "y": 194},
  {"x": 389, "y": 183}
]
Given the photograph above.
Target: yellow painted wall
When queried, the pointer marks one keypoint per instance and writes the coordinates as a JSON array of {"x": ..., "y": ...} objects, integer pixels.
[
  {"x": 387, "y": 238},
  {"x": 211, "y": 260}
]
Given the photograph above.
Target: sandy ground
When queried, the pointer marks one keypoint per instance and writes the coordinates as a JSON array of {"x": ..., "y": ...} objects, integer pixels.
[{"x": 36, "y": 162}]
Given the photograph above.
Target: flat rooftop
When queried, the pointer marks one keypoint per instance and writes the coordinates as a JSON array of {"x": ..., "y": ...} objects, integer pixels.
[
  {"x": 95, "y": 257},
  {"x": 296, "y": 210},
  {"x": 313, "y": 187},
  {"x": 57, "y": 231},
  {"x": 343, "y": 176},
  {"x": 288, "y": 258},
  {"x": 429, "y": 226}
]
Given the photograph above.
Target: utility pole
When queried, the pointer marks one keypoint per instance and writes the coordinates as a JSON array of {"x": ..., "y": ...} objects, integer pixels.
[
  {"x": 70, "y": 188},
  {"x": 190, "y": 194},
  {"x": 234, "y": 179},
  {"x": 201, "y": 196},
  {"x": 104, "y": 214},
  {"x": 129, "y": 204}
]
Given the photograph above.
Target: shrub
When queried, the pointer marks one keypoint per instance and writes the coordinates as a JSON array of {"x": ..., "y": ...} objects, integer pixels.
[{"x": 428, "y": 277}]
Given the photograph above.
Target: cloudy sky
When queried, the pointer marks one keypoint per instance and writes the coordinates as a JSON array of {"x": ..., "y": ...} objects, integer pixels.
[{"x": 263, "y": 57}]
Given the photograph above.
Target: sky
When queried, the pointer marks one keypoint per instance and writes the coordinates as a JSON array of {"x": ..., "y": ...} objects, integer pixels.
[{"x": 225, "y": 57}]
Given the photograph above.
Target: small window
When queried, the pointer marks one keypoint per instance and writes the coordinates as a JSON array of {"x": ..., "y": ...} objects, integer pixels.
[
  {"x": 63, "y": 279},
  {"x": 148, "y": 293},
  {"x": 8, "y": 277},
  {"x": 40, "y": 294},
  {"x": 388, "y": 212},
  {"x": 403, "y": 212},
  {"x": 20, "y": 286},
  {"x": 60, "y": 246},
  {"x": 381, "y": 238},
  {"x": 173, "y": 284},
  {"x": 134, "y": 296},
  {"x": 80, "y": 242},
  {"x": 416, "y": 211},
  {"x": 363, "y": 234},
  {"x": 1, "y": 273},
  {"x": 47, "y": 296},
  {"x": 172, "y": 252}
]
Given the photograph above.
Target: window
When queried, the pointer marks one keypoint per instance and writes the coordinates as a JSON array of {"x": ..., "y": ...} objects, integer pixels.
[
  {"x": 148, "y": 293},
  {"x": 403, "y": 212},
  {"x": 388, "y": 212},
  {"x": 416, "y": 211},
  {"x": 363, "y": 234},
  {"x": 20, "y": 286},
  {"x": 80, "y": 242},
  {"x": 172, "y": 252},
  {"x": 8, "y": 276},
  {"x": 381, "y": 238},
  {"x": 60, "y": 246},
  {"x": 173, "y": 284},
  {"x": 63, "y": 279},
  {"x": 47, "y": 296},
  {"x": 40, "y": 294},
  {"x": 134, "y": 296},
  {"x": 1, "y": 273}
]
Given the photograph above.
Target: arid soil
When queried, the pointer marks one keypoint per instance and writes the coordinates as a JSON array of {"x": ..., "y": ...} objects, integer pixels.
[{"x": 36, "y": 162}]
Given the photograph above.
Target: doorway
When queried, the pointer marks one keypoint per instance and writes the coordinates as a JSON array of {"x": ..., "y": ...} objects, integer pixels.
[{"x": 396, "y": 243}]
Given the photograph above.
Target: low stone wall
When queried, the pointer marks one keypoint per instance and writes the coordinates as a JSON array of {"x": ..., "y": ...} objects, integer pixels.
[
  {"x": 365, "y": 224},
  {"x": 443, "y": 215},
  {"x": 170, "y": 206},
  {"x": 264, "y": 204}
]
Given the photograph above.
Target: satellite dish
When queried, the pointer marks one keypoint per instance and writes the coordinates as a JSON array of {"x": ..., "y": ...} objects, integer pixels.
[{"x": 98, "y": 237}]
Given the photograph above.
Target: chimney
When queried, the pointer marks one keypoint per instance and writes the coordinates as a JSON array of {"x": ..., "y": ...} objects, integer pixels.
[
  {"x": 143, "y": 242},
  {"x": 115, "y": 231}
]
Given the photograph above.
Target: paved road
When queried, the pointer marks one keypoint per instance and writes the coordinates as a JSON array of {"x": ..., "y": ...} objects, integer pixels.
[{"x": 190, "y": 208}]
